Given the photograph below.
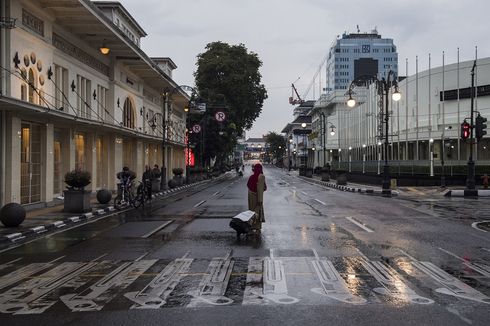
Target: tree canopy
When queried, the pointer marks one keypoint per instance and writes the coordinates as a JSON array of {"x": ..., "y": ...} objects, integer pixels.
[
  {"x": 276, "y": 144},
  {"x": 228, "y": 78}
]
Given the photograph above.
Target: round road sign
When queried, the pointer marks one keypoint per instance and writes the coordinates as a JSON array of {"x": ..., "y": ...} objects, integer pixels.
[
  {"x": 220, "y": 116},
  {"x": 196, "y": 128}
]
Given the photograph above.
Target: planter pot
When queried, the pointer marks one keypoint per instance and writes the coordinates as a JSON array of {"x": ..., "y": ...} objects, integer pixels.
[
  {"x": 342, "y": 179},
  {"x": 302, "y": 172},
  {"x": 104, "y": 196},
  {"x": 179, "y": 179},
  {"x": 309, "y": 173},
  {"x": 172, "y": 183},
  {"x": 12, "y": 215},
  {"x": 155, "y": 185},
  {"x": 325, "y": 176},
  {"x": 77, "y": 201}
]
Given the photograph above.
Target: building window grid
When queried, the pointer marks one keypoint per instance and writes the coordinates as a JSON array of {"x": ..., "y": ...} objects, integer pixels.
[
  {"x": 84, "y": 97},
  {"x": 61, "y": 81},
  {"x": 101, "y": 102}
]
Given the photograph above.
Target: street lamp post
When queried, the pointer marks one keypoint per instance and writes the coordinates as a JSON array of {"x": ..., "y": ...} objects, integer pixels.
[
  {"x": 323, "y": 122},
  {"x": 350, "y": 159},
  {"x": 305, "y": 148},
  {"x": 378, "y": 150},
  {"x": 289, "y": 152},
  {"x": 383, "y": 85},
  {"x": 431, "y": 158},
  {"x": 363, "y": 158}
]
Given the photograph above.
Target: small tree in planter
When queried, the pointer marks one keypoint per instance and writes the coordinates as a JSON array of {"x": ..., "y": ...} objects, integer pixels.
[
  {"x": 179, "y": 179},
  {"x": 326, "y": 172},
  {"x": 76, "y": 198}
]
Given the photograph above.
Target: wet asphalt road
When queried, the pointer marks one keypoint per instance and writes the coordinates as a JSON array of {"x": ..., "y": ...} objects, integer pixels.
[{"x": 324, "y": 257}]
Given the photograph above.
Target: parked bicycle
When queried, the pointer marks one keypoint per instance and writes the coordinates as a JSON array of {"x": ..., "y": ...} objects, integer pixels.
[{"x": 126, "y": 196}]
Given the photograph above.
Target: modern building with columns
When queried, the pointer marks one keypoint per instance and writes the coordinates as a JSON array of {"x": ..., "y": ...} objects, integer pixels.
[
  {"x": 78, "y": 92},
  {"x": 424, "y": 126}
]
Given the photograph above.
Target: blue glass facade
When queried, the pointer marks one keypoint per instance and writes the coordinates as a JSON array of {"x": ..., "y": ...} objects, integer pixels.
[{"x": 358, "y": 54}]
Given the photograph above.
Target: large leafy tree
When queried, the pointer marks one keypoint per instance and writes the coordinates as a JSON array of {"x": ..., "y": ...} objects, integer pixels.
[
  {"x": 228, "y": 78},
  {"x": 276, "y": 144}
]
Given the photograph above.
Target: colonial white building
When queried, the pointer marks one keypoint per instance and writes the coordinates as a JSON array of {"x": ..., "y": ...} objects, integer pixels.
[
  {"x": 65, "y": 105},
  {"x": 424, "y": 125}
]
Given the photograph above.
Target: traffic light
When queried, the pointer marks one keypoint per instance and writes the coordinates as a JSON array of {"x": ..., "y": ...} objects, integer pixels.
[
  {"x": 465, "y": 130},
  {"x": 480, "y": 127}
]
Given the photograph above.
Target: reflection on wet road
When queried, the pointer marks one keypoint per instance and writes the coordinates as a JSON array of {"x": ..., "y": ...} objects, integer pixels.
[{"x": 319, "y": 247}]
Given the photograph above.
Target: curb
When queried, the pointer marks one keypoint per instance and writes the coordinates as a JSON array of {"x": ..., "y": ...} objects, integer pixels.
[
  {"x": 468, "y": 193},
  {"x": 70, "y": 221},
  {"x": 367, "y": 191}
]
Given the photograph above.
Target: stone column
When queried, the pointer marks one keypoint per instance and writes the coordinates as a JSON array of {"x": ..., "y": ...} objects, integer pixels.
[
  {"x": 47, "y": 172},
  {"x": 12, "y": 160}
]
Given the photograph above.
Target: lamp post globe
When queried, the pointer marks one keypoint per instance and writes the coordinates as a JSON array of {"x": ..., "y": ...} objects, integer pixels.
[
  {"x": 351, "y": 102},
  {"x": 396, "y": 96}
]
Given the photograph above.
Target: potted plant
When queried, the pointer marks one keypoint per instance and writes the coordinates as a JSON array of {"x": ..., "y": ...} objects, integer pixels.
[
  {"x": 341, "y": 177},
  {"x": 76, "y": 198},
  {"x": 179, "y": 179},
  {"x": 302, "y": 170},
  {"x": 326, "y": 172},
  {"x": 309, "y": 172}
]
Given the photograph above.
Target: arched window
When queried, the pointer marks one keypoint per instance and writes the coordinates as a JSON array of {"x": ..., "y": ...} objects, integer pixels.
[
  {"x": 32, "y": 86},
  {"x": 129, "y": 115}
]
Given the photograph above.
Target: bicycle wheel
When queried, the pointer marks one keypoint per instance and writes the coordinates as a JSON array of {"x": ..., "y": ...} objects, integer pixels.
[
  {"x": 118, "y": 202},
  {"x": 138, "y": 199}
]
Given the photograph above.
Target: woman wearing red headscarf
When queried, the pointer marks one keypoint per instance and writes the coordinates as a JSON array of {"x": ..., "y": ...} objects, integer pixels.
[{"x": 256, "y": 187}]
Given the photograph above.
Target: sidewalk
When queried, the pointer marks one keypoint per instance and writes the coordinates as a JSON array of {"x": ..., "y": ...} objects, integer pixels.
[
  {"x": 419, "y": 192},
  {"x": 50, "y": 219}
]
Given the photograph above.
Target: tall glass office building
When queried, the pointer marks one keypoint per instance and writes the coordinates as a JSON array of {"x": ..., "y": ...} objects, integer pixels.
[{"x": 358, "y": 54}]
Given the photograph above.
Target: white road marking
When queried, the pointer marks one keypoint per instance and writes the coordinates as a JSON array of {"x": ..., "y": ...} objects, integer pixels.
[
  {"x": 95, "y": 297},
  {"x": 142, "y": 256},
  {"x": 393, "y": 284},
  {"x": 480, "y": 268},
  {"x": 13, "y": 261},
  {"x": 217, "y": 192},
  {"x": 200, "y": 203},
  {"x": 213, "y": 285},
  {"x": 451, "y": 285},
  {"x": 324, "y": 204},
  {"x": 158, "y": 228},
  {"x": 475, "y": 225},
  {"x": 155, "y": 294},
  {"x": 362, "y": 226},
  {"x": 304, "y": 193},
  {"x": 101, "y": 256},
  {"x": 486, "y": 249},
  {"x": 31, "y": 296},
  {"x": 266, "y": 282}
]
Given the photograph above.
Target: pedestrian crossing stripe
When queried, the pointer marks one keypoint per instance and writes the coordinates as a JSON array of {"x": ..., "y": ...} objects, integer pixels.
[{"x": 272, "y": 280}]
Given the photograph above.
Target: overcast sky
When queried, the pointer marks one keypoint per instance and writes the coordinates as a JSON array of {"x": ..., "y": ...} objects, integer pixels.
[{"x": 292, "y": 37}]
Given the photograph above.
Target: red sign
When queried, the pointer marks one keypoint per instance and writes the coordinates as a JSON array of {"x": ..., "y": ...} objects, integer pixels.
[{"x": 189, "y": 157}]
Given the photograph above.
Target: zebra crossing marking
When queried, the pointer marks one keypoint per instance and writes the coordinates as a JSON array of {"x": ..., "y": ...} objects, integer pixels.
[
  {"x": 393, "y": 284},
  {"x": 30, "y": 297},
  {"x": 34, "y": 288},
  {"x": 214, "y": 283},
  {"x": 154, "y": 295},
  {"x": 451, "y": 285},
  {"x": 96, "y": 296},
  {"x": 269, "y": 272}
]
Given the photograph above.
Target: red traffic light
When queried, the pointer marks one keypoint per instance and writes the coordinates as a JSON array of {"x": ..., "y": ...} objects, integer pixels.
[{"x": 465, "y": 130}]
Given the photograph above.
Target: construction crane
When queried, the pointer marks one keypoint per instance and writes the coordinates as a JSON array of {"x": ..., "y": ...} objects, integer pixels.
[
  {"x": 301, "y": 99},
  {"x": 292, "y": 99}
]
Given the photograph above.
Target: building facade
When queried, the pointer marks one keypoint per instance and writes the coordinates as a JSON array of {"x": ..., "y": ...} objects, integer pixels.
[
  {"x": 424, "y": 126},
  {"x": 65, "y": 105},
  {"x": 359, "y": 54}
]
